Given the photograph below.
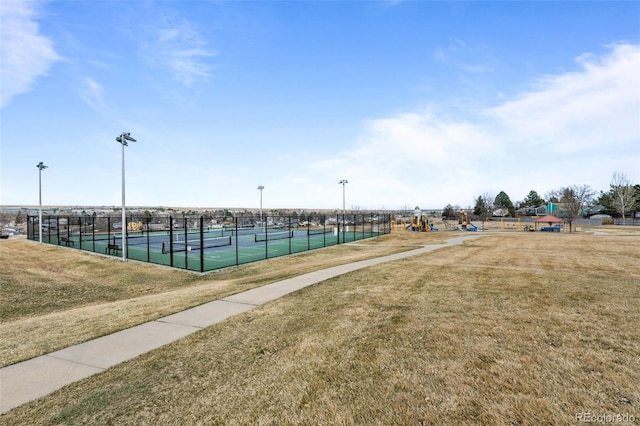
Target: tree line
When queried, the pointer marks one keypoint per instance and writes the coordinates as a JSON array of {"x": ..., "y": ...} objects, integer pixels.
[{"x": 622, "y": 199}]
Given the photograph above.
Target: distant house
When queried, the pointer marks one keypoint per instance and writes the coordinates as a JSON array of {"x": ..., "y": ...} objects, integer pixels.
[
  {"x": 596, "y": 210},
  {"x": 532, "y": 211},
  {"x": 557, "y": 209},
  {"x": 552, "y": 209},
  {"x": 500, "y": 213}
]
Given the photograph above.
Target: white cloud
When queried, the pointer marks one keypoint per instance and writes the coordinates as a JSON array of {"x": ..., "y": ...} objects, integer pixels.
[
  {"x": 183, "y": 50},
  {"x": 26, "y": 54},
  {"x": 596, "y": 106},
  {"x": 574, "y": 124}
]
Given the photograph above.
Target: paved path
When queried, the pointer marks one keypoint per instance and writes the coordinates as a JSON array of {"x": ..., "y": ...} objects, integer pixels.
[{"x": 37, "y": 377}]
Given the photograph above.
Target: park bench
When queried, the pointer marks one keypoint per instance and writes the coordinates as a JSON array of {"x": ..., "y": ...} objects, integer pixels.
[
  {"x": 112, "y": 247},
  {"x": 66, "y": 241}
]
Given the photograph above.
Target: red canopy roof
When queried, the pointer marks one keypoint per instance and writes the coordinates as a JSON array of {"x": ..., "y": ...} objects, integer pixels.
[{"x": 549, "y": 219}]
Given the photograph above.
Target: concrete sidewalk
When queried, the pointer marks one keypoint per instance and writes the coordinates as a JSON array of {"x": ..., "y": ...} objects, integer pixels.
[{"x": 37, "y": 377}]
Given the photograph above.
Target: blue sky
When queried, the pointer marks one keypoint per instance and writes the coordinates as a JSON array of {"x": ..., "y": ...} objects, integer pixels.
[{"x": 413, "y": 102}]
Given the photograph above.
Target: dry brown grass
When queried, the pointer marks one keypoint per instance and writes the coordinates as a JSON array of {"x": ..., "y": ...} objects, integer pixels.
[
  {"x": 526, "y": 329},
  {"x": 52, "y": 297}
]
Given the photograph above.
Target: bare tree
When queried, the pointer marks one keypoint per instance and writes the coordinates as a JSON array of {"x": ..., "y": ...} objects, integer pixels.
[
  {"x": 623, "y": 194},
  {"x": 574, "y": 199}
]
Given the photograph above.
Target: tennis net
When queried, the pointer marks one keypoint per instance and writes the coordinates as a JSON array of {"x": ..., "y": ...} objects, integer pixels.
[
  {"x": 178, "y": 246},
  {"x": 320, "y": 231},
  {"x": 195, "y": 231},
  {"x": 268, "y": 236},
  {"x": 239, "y": 231}
]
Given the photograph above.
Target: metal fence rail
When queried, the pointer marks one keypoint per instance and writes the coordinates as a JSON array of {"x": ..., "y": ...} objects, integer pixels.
[{"x": 200, "y": 244}]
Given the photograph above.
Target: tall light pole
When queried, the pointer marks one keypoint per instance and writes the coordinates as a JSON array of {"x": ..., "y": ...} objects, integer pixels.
[
  {"x": 123, "y": 139},
  {"x": 40, "y": 167},
  {"x": 343, "y": 182},
  {"x": 260, "y": 188}
]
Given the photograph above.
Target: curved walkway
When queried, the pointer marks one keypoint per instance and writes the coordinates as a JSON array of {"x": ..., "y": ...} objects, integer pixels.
[{"x": 29, "y": 380}]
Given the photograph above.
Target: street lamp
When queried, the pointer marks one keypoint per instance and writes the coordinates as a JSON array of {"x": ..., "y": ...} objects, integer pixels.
[
  {"x": 40, "y": 167},
  {"x": 343, "y": 182},
  {"x": 123, "y": 139},
  {"x": 261, "y": 188}
]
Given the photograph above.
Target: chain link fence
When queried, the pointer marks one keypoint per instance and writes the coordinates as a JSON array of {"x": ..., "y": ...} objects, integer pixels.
[{"x": 202, "y": 244}]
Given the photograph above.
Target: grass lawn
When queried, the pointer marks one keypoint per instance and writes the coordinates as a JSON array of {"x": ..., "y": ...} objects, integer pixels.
[
  {"x": 511, "y": 328},
  {"x": 52, "y": 297}
]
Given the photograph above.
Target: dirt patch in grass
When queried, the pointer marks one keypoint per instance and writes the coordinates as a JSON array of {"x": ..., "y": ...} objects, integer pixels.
[{"x": 520, "y": 329}]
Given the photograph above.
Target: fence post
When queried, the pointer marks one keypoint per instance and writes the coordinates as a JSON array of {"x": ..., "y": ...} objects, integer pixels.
[
  {"x": 80, "y": 231},
  {"x": 186, "y": 241},
  {"x": 148, "y": 229},
  {"x": 201, "y": 244},
  {"x": 235, "y": 224},
  {"x": 171, "y": 241},
  {"x": 266, "y": 242},
  {"x": 324, "y": 230},
  {"x": 290, "y": 229}
]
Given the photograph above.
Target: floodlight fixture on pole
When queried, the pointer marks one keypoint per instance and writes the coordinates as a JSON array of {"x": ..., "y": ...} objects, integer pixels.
[
  {"x": 40, "y": 167},
  {"x": 124, "y": 139},
  {"x": 260, "y": 188},
  {"x": 343, "y": 182}
]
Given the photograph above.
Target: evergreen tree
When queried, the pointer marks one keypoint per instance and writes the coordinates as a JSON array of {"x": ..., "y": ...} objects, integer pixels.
[
  {"x": 502, "y": 201},
  {"x": 478, "y": 209},
  {"x": 448, "y": 213},
  {"x": 533, "y": 200},
  {"x": 604, "y": 200},
  {"x": 483, "y": 207}
]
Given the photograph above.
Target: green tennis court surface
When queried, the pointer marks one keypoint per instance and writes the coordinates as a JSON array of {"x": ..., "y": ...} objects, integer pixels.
[{"x": 204, "y": 248}]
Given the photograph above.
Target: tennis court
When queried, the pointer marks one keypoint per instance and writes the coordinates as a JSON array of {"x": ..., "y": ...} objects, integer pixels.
[{"x": 201, "y": 245}]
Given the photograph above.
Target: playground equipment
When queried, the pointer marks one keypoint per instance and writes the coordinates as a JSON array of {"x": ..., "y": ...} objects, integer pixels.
[
  {"x": 134, "y": 226},
  {"x": 463, "y": 219},
  {"x": 419, "y": 221},
  {"x": 470, "y": 228},
  {"x": 399, "y": 225}
]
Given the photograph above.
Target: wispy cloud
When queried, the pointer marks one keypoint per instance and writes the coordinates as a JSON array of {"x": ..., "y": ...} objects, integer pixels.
[
  {"x": 92, "y": 93},
  {"x": 26, "y": 54},
  {"x": 459, "y": 54},
  {"x": 181, "y": 48}
]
